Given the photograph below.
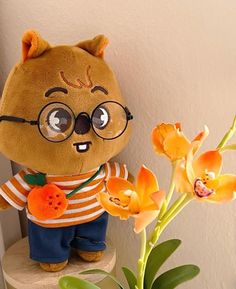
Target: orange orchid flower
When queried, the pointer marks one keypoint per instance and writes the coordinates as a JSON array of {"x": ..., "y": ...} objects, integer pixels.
[
  {"x": 201, "y": 177},
  {"x": 168, "y": 139},
  {"x": 125, "y": 200}
]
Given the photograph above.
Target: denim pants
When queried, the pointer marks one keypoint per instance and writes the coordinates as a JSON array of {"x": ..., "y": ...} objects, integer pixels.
[{"x": 53, "y": 245}]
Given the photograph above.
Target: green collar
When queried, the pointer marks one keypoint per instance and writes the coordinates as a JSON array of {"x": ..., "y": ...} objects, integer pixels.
[{"x": 39, "y": 179}]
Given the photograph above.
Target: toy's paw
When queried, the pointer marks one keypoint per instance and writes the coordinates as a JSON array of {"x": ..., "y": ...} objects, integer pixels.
[
  {"x": 53, "y": 267},
  {"x": 90, "y": 256},
  {"x": 4, "y": 204}
]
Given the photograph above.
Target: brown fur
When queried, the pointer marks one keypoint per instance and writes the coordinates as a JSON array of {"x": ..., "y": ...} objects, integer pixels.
[
  {"x": 42, "y": 68},
  {"x": 23, "y": 96}
]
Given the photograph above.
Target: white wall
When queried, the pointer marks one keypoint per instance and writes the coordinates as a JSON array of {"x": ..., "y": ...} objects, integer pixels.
[
  {"x": 176, "y": 61},
  {"x": 9, "y": 219}
]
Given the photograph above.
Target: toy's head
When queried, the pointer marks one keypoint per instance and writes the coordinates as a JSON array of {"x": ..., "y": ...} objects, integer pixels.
[{"x": 62, "y": 111}]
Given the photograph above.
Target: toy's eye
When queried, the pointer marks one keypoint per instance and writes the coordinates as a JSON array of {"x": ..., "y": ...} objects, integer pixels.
[
  {"x": 100, "y": 117},
  {"x": 59, "y": 119},
  {"x": 56, "y": 122}
]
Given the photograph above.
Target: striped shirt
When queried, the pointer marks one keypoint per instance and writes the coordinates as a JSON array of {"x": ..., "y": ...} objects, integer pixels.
[{"x": 83, "y": 206}]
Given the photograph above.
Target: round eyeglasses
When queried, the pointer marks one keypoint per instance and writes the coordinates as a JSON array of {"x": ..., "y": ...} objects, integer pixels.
[{"x": 56, "y": 121}]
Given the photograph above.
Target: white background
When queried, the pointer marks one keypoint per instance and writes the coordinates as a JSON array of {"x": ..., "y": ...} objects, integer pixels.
[
  {"x": 176, "y": 61},
  {"x": 9, "y": 220}
]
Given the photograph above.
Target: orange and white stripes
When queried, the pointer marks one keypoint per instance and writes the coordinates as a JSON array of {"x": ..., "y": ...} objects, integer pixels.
[{"x": 83, "y": 206}]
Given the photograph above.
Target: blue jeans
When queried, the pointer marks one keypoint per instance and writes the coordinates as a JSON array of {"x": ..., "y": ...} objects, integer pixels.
[{"x": 53, "y": 245}]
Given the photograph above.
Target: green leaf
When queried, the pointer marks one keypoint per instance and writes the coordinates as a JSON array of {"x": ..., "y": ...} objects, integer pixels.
[
  {"x": 130, "y": 277},
  {"x": 69, "y": 282},
  {"x": 174, "y": 277},
  {"x": 99, "y": 271},
  {"x": 157, "y": 257},
  {"x": 37, "y": 179}
]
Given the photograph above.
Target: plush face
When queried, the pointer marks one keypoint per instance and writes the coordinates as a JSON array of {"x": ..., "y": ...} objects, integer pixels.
[{"x": 76, "y": 79}]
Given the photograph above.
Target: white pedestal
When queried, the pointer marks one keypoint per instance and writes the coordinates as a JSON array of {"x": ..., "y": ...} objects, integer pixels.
[{"x": 20, "y": 272}]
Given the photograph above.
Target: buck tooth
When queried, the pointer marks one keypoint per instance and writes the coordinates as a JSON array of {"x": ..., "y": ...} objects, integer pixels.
[{"x": 83, "y": 147}]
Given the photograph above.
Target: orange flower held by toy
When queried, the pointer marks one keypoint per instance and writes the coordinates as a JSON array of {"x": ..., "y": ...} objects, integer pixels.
[{"x": 142, "y": 202}]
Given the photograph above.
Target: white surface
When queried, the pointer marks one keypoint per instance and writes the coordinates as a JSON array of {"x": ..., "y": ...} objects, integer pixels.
[
  {"x": 23, "y": 273},
  {"x": 176, "y": 61}
]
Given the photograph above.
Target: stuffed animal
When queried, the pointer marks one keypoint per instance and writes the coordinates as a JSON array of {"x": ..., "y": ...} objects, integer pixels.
[{"x": 62, "y": 117}]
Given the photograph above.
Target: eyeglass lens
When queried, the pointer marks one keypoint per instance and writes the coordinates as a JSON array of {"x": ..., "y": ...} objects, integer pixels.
[{"x": 57, "y": 121}]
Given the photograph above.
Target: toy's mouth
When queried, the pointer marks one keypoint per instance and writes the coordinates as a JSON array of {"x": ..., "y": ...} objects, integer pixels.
[{"x": 82, "y": 147}]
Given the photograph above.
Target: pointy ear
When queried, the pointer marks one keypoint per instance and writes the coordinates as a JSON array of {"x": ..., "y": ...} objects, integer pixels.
[
  {"x": 33, "y": 45},
  {"x": 95, "y": 46}
]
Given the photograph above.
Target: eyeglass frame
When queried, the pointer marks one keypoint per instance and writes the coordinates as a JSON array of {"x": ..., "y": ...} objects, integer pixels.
[{"x": 128, "y": 114}]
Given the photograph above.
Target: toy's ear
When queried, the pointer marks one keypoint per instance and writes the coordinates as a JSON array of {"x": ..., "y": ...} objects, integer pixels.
[
  {"x": 33, "y": 45},
  {"x": 95, "y": 46}
]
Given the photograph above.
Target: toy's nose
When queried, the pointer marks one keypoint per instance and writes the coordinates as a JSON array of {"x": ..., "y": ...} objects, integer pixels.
[{"x": 82, "y": 123}]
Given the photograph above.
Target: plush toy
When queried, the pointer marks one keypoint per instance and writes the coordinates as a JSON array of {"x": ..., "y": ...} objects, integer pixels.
[{"x": 62, "y": 117}]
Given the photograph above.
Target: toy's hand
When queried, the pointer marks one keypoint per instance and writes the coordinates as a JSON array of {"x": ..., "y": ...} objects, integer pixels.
[{"x": 3, "y": 204}]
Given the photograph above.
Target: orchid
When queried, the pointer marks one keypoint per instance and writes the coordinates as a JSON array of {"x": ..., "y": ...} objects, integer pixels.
[
  {"x": 142, "y": 201},
  {"x": 201, "y": 177},
  {"x": 169, "y": 140},
  {"x": 195, "y": 177}
]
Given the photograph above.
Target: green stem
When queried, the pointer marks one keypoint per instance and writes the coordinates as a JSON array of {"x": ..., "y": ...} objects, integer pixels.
[
  {"x": 141, "y": 264},
  {"x": 230, "y": 133},
  {"x": 169, "y": 217},
  {"x": 174, "y": 206},
  {"x": 170, "y": 191},
  {"x": 228, "y": 148},
  {"x": 174, "y": 210}
]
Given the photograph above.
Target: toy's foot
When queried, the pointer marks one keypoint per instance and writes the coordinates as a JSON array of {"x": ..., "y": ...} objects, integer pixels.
[
  {"x": 50, "y": 267},
  {"x": 90, "y": 256}
]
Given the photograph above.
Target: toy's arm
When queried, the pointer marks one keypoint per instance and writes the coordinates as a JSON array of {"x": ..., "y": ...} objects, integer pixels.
[
  {"x": 114, "y": 169},
  {"x": 4, "y": 204},
  {"x": 14, "y": 192}
]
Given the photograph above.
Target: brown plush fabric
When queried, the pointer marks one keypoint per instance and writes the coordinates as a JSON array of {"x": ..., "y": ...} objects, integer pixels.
[
  {"x": 95, "y": 46},
  {"x": 49, "y": 267},
  {"x": 24, "y": 96},
  {"x": 90, "y": 256},
  {"x": 33, "y": 45}
]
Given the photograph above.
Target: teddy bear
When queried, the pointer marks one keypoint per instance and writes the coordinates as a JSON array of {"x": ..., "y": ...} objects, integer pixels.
[{"x": 62, "y": 118}]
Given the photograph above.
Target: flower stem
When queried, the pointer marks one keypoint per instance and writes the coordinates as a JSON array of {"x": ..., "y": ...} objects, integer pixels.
[
  {"x": 174, "y": 210},
  {"x": 141, "y": 264},
  {"x": 175, "y": 206},
  {"x": 228, "y": 148},
  {"x": 178, "y": 208},
  {"x": 170, "y": 191},
  {"x": 228, "y": 135}
]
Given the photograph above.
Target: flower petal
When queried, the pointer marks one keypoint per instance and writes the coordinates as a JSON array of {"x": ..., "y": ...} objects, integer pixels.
[
  {"x": 189, "y": 164},
  {"x": 166, "y": 128},
  {"x": 111, "y": 207},
  {"x": 200, "y": 138},
  {"x": 176, "y": 145},
  {"x": 181, "y": 181},
  {"x": 146, "y": 185},
  {"x": 158, "y": 198},
  {"x": 143, "y": 219},
  {"x": 159, "y": 134},
  {"x": 226, "y": 190},
  {"x": 134, "y": 203},
  {"x": 116, "y": 185},
  {"x": 157, "y": 141},
  {"x": 178, "y": 126},
  {"x": 210, "y": 161}
]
